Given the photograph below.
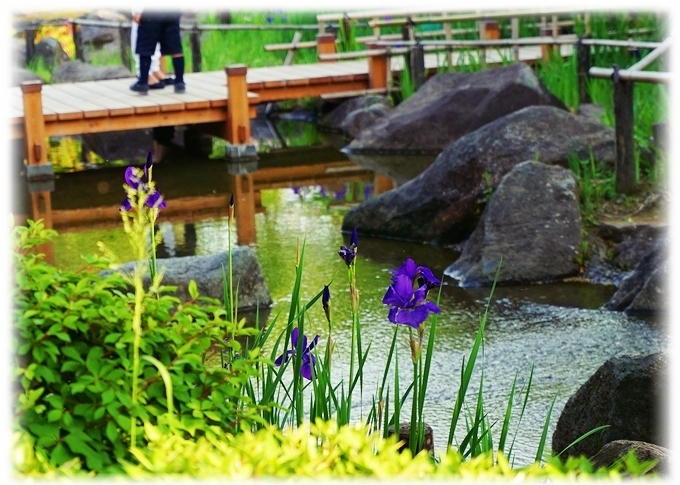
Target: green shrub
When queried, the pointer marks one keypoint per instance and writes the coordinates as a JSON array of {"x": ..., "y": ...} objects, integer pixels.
[
  {"x": 73, "y": 361},
  {"x": 321, "y": 450}
]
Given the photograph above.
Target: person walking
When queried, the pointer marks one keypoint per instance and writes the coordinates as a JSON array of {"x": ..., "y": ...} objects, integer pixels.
[{"x": 156, "y": 27}]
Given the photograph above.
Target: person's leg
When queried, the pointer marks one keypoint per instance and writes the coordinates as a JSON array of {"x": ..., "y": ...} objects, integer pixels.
[
  {"x": 148, "y": 35},
  {"x": 171, "y": 44}
]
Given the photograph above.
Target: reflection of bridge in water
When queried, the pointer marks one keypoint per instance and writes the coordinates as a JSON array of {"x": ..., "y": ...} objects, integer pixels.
[{"x": 198, "y": 189}]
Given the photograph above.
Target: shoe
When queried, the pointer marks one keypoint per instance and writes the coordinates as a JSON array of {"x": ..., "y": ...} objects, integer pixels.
[
  {"x": 140, "y": 88},
  {"x": 169, "y": 81},
  {"x": 180, "y": 87},
  {"x": 158, "y": 85}
]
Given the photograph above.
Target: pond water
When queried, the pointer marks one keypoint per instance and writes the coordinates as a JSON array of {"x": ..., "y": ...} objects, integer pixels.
[{"x": 560, "y": 329}]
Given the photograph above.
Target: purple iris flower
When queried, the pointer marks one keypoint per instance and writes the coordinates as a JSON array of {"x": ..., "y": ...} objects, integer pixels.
[
  {"x": 408, "y": 306},
  {"x": 155, "y": 201},
  {"x": 138, "y": 180},
  {"x": 418, "y": 274},
  {"x": 132, "y": 178},
  {"x": 349, "y": 253},
  {"x": 326, "y": 302},
  {"x": 308, "y": 357}
]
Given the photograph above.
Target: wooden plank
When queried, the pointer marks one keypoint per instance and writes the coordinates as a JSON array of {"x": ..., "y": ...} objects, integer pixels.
[
  {"x": 120, "y": 90},
  {"x": 164, "y": 101},
  {"x": 114, "y": 106},
  {"x": 77, "y": 103}
]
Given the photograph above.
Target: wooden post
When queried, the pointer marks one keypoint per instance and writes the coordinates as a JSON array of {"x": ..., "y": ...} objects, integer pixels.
[
  {"x": 417, "y": 65},
  {"x": 34, "y": 123},
  {"x": 195, "y": 42},
  {"x": 624, "y": 119},
  {"x": 583, "y": 65},
  {"x": 492, "y": 30},
  {"x": 448, "y": 35},
  {"x": 125, "y": 56},
  {"x": 78, "y": 42},
  {"x": 546, "y": 49},
  {"x": 36, "y": 155},
  {"x": 29, "y": 35},
  {"x": 238, "y": 119},
  {"x": 514, "y": 24},
  {"x": 378, "y": 69},
  {"x": 325, "y": 44},
  {"x": 244, "y": 208}
]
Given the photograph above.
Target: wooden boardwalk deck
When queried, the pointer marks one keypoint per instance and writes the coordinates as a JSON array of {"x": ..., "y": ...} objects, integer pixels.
[{"x": 102, "y": 106}]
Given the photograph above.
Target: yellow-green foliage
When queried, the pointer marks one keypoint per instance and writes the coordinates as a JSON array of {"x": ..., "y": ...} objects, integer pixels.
[{"x": 321, "y": 450}]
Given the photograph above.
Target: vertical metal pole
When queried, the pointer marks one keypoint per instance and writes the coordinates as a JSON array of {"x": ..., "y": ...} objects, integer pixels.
[
  {"x": 625, "y": 155},
  {"x": 583, "y": 65}
]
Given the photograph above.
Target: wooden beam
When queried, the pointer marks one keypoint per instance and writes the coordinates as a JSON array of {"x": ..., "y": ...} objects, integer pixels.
[
  {"x": 624, "y": 126},
  {"x": 325, "y": 44},
  {"x": 378, "y": 69},
  {"x": 238, "y": 118}
]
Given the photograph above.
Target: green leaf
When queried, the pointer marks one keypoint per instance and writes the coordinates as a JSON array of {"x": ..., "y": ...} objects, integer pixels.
[
  {"x": 94, "y": 359},
  {"x": 111, "y": 432},
  {"x": 59, "y": 455},
  {"x": 72, "y": 353},
  {"x": 54, "y": 415},
  {"x": 213, "y": 415},
  {"x": 193, "y": 289},
  {"x": 77, "y": 444}
]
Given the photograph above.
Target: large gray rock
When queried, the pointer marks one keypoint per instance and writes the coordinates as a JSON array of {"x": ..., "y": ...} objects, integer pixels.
[
  {"x": 616, "y": 450},
  {"x": 20, "y": 75},
  {"x": 451, "y": 105},
  {"x": 643, "y": 290},
  {"x": 626, "y": 393},
  {"x": 78, "y": 71},
  {"x": 332, "y": 121},
  {"x": 96, "y": 35},
  {"x": 50, "y": 53},
  {"x": 531, "y": 226},
  {"x": 442, "y": 204},
  {"x": 206, "y": 271},
  {"x": 361, "y": 118}
]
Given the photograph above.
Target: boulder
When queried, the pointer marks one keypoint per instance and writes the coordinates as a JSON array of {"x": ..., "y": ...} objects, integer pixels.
[
  {"x": 18, "y": 50},
  {"x": 20, "y": 75},
  {"x": 451, "y": 105},
  {"x": 50, "y": 51},
  {"x": 78, "y": 71},
  {"x": 442, "y": 204},
  {"x": 630, "y": 251},
  {"x": 332, "y": 122},
  {"x": 206, "y": 271},
  {"x": 643, "y": 290},
  {"x": 361, "y": 118},
  {"x": 626, "y": 393},
  {"x": 97, "y": 36},
  {"x": 616, "y": 450},
  {"x": 531, "y": 226}
]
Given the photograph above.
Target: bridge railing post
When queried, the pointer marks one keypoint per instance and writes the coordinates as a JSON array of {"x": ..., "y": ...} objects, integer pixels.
[
  {"x": 238, "y": 119},
  {"x": 39, "y": 173},
  {"x": 325, "y": 44},
  {"x": 379, "y": 71}
]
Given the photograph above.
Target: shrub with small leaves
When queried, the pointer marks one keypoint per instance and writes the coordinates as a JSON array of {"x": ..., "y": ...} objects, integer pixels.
[{"x": 73, "y": 362}]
